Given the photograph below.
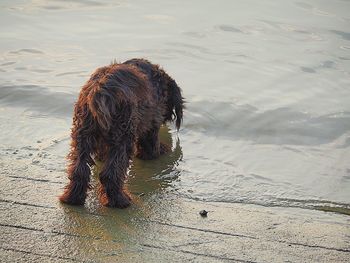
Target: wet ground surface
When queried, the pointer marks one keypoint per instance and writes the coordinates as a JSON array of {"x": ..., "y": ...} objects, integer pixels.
[{"x": 161, "y": 226}]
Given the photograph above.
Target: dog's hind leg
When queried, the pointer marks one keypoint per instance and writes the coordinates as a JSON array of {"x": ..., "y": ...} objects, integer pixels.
[
  {"x": 149, "y": 147},
  {"x": 78, "y": 169},
  {"x": 113, "y": 175}
]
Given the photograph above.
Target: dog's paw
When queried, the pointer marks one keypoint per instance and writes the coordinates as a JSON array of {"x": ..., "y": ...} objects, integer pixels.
[
  {"x": 151, "y": 155},
  {"x": 164, "y": 148},
  {"x": 141, "y": 154},
  {"x": 70, "y": 199},
  {"x": 121, "y": 200}
]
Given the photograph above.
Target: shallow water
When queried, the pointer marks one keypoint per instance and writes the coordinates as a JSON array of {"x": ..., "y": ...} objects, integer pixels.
[{"x": 266, "y": 85}]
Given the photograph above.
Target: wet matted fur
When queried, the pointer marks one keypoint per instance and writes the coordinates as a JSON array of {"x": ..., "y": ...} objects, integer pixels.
[{"x": 118, "y": 114}]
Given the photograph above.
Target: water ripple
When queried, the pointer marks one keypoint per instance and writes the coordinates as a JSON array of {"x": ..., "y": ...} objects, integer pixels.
[
  {"x": 277, "y": 126},
  {"x": 36, "y": 98}
]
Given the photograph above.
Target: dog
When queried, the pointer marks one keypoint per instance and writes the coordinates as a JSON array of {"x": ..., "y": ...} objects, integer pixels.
[{"x": 118, "y": 115}]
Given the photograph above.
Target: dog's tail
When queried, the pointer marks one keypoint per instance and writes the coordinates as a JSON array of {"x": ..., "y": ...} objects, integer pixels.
[
  {"x": 102, "y": 107},
  {"x": 105, "y": 106},
  {"x": 175, "y": 103}
]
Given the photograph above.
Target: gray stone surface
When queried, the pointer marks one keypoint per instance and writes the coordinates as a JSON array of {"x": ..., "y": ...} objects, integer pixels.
[{"x": 159, "y": 227}]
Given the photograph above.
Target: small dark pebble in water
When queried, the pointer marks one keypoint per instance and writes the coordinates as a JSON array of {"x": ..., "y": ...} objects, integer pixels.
[
  {"x": 203, "y": 213},
  {"x": 30, "y": 154},
  {"x": 142, "y": 194},
  {"x": 55, "y": 141},
  {"x": 38, "y": 141}
]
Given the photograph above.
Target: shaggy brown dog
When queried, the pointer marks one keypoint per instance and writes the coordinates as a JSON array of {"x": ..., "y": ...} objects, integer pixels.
[{"x": 119, "y": 113}]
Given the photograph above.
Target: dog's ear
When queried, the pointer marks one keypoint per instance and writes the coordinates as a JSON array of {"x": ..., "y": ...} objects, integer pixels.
[{"x": 175, "y": 102}]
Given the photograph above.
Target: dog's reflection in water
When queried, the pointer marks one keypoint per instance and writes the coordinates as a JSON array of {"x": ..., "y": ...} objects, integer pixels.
[{"x": 150, "y": 176}]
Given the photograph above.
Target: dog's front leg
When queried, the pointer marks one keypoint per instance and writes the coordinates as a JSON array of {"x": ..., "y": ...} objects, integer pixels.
[
  {"x": 113, "y": 175},
  {"x": 149, "y": 147}
]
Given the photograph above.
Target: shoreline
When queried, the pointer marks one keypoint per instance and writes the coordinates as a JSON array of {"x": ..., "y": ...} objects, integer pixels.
[{"x": 158, "y": 227}]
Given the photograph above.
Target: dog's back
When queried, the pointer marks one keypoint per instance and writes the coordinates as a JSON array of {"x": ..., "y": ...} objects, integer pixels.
[
  {"x": 133, "y": 89},
  {"x": 112, "y": 93}
]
